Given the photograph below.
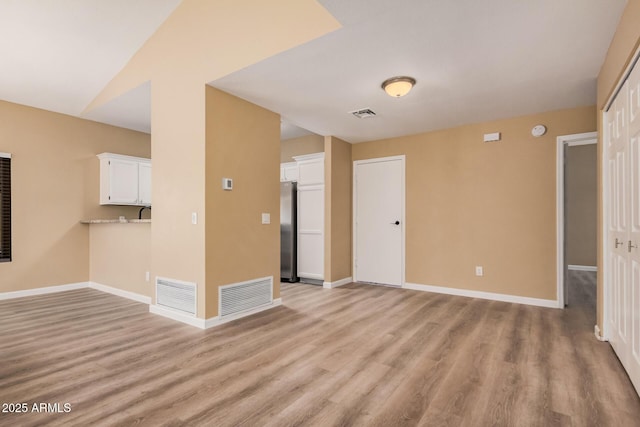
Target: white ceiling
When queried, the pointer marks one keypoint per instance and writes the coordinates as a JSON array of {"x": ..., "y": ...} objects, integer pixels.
[
  {"x": 288, "y": 130},
  {"x": 474, "y": 60},
  {"x": 59, "y": 54}
]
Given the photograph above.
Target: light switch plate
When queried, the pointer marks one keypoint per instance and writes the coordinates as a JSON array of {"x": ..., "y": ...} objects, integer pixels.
[
  {"x": 194, "y": 218},
  {"x": 266, "y": 218},
  {"x": 479, "y": 270}
]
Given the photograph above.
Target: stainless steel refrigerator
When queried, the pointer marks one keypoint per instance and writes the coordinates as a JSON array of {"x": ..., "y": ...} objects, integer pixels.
[{"x": 288, "y": 232}]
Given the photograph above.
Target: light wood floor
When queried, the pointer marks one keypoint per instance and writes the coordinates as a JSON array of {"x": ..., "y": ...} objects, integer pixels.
[{"x": 356, "y": 355}]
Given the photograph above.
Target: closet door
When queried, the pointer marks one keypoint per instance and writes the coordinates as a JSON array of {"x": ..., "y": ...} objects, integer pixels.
[
  {"x": 633, "y": 365},
  {"x": 617, "y": 149},
  {"x": 623, "y": 156}
]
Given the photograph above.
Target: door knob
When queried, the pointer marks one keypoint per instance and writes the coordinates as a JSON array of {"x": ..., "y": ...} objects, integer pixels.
[
  {"x": 619, "y": 243},
  {"x": 631, "y": 246},
  {"x": 395, "y": 223}
]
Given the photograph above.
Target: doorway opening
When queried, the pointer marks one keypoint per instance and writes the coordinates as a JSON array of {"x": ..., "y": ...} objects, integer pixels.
[
  {"x": 577, "y": 192},
  {"x": 301, "y": 205}
]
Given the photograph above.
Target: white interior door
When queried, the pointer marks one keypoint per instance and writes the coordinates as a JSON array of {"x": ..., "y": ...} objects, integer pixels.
[
  {"x": 623, "y": 226},
  {"x": 379, "y": 221},
  {"x": 633, "y": 366},
  {"x": 617, "y": 150}
]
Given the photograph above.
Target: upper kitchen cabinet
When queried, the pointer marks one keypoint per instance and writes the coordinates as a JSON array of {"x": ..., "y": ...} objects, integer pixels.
[
  {"x": 124, "y": 180},
  {"x": 288, "y": 171},
  {"x": 310, "y": 169},
  {"x": 144, "y": 183}
]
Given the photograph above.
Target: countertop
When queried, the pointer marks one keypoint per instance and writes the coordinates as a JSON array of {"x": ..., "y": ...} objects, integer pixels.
[{"x": 115, "y": 221}]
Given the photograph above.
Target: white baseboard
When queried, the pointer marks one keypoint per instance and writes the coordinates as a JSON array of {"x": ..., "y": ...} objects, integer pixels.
[
  {"x": 43, "y": 291},
  {"x": 73, "y": 286},
  {"x": 330, "y": 285},
  {"x": 121, "y": 293},
  {"x": 217, "y": 321},
  {"x": 484, "y": 295},
  {"x": 582, "y": 267},
  {"x": 596, "y": 331},
  {"x": 212, "y": 321},
  {"x": 176, "y": 315}
]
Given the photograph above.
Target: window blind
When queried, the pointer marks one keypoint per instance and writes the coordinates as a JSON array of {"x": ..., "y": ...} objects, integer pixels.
[{"x": 5, "y": 208}]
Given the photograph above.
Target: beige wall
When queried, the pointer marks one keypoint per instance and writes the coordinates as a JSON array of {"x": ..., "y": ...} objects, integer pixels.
[
  {"x": 120, "y": 255},
  {"x": 199, "y": 42},
  {"x": 582, "y": 205},
  {"x": 55, "y": 184},
  {"x": 243, "y": 143},
  {"x": 338, "y": 202},
  {"x": 471, "y": 203},
  {"x": 624, "y": 44},
  {"x": 178, "y": 176},
  {"x": 307, "y": 144}
]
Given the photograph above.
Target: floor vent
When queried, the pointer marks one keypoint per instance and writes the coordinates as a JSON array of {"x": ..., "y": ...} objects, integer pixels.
[
  {"x": 176, "y": 295},
  {"x": 244, "y": 296}
]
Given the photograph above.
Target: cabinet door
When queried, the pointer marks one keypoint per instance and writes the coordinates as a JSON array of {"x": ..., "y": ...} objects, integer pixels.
[
  {"x": 123, "y": 181},
  {"x": 144, "y": 183},
  {"x": 311, "y": 172},
  {"x": 311, "y": 232},
  {"x": 291, "y": 172},
  {"x": 288, "y": 171}
]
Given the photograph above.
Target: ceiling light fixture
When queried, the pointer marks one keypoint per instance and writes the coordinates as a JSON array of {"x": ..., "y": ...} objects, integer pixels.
[{"x": 398, "y": 86}]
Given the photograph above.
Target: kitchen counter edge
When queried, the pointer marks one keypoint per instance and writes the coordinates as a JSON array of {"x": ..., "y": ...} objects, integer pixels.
[{"x": 115, "y": 221}]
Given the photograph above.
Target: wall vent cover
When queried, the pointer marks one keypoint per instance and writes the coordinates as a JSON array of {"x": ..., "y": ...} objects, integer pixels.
[
  {"x": 364, "y": 113},
  {"x": 239, "y": 297},
  {"x": 176, "y": 295}
]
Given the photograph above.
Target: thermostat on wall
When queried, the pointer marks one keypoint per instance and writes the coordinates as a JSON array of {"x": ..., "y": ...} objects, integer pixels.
[
  {"x": 538, "y": 130},
  {"x": 227, "y": 184}
]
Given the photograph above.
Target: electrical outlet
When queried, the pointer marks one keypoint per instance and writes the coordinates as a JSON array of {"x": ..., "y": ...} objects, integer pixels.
[{"x": 479, "y": 270}]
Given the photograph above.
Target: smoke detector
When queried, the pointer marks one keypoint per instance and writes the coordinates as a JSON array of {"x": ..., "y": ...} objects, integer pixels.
[{"x": 364, "y": 113}]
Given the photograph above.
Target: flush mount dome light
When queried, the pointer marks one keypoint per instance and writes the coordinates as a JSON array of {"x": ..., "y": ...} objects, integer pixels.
[{"x": 398, "y": 86}]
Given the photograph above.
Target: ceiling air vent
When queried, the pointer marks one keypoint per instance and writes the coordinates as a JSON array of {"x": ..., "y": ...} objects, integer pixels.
[{"x": 364, "y": 113}]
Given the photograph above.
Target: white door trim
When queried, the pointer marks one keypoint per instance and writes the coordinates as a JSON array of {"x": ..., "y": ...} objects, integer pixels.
[
  {"x": 561, "y": 141},
  {"x": 402, "y": 159},
  {"x": 604, "y": 197}
]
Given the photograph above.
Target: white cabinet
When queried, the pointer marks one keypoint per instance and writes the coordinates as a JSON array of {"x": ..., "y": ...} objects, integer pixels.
[
  {"x": 288, "y": 171},
  {"x": 311, "y": 170},
  {"x": 124, "y": 180},
  {"x": 144, "y": 183},
  {"x": 310, "y": 177}
]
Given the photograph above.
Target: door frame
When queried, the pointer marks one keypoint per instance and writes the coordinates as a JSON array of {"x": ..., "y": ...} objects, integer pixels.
[
  {"x": 561, "y": 141},
  {"x": 402, "y": 159}
]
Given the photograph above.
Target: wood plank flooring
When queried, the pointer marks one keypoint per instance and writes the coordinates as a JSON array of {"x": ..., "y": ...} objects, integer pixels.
[{"x": 355, "y": 355}]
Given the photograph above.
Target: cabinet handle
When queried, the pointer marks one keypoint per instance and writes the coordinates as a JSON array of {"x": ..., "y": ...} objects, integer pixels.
[
  {"x": 631, "y": 246},
  {"x": 619, "y": 243}
]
